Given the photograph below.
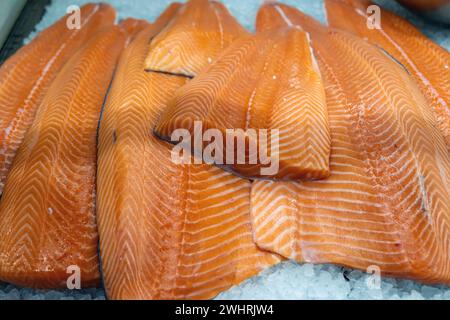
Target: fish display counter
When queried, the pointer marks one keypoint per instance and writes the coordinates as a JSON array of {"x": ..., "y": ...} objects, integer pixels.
[{"x": 224, "y": 150}]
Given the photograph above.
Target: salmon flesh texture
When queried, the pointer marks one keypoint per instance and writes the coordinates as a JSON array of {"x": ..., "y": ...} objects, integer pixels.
[
  {"x": 428, "y": 63},
  {"x": 386, "y": 203},
  {"x": 269, "y": 81},
  {"x": 26, "y": 76},
  {"x": 200, "y": 31}
]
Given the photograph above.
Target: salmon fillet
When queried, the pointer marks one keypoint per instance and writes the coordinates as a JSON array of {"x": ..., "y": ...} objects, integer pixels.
[
  {"x": 47, "y": 211},
  {"x": 386, "y": 203},
  {"x": 26, "y": 76},
  {"x": 427, "y": 62},
  {"x": 266, "y": 81},
  {"x": 133, "y": 26},
  {"x": 167, "y": 231},
  {"x": 424, "y": 4},
  {"x": 194, "y": 38}
]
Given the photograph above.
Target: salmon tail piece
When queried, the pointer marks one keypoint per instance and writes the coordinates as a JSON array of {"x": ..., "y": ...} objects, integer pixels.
[
  {"x": 385, "y": 206},
  {"x": 47, "y": 211},
  {"x": 268, "y": 91},
  {"x": 199, "y": 32},
  {"x": 167, "y": 16},
  {"x": 167, "y": 230},
  {"x": 274, "y": 15},
  {"x": 427, "y": 62},
  {"x": 266, "y": 19},
  {"x": 40, "y": 61}
]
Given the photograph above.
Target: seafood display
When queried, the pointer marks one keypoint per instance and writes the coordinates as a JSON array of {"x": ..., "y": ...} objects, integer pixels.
[{"x": 176, "y": 159}]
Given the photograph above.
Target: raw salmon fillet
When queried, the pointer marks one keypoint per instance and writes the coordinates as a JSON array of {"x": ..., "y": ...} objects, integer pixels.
[
  {"x": 26, "y": 76},
  {"x": 427, "y": 62},
  {"x": 134, "y": 26},
  {"x": 200, "y": 31},
  {"x": 47, "y": 211},
  {"x": 167, "y": 230},
  {"x": 266, "y": 81},
  {"x": 386, "y": 203},
  {"x": 166, "y": 17}
]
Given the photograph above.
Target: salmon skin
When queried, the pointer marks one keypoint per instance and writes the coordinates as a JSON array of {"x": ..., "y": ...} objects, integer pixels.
[
  {"x": 167, "y": 230},
  {"x": 386, "y": 203},
  {"x": 26, "y": 76},
  {"x": 47, "y": 212},
  {"x": 200, "y": 31},
  {"x": 427, "y": 62},
  {"x": 269, "y": 81}
]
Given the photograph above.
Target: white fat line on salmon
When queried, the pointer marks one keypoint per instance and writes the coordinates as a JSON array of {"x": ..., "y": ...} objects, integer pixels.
[
  {"x": 324, "y": 10},
  {"x": 284, "y": 16},
  {"x": 219, "y": 21},
  {"x": 58, "y": 53},
  {"x": 74, "y": 280},
  {"x": 74, "y": 19},
  {"x": 242, "y": 147}
]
